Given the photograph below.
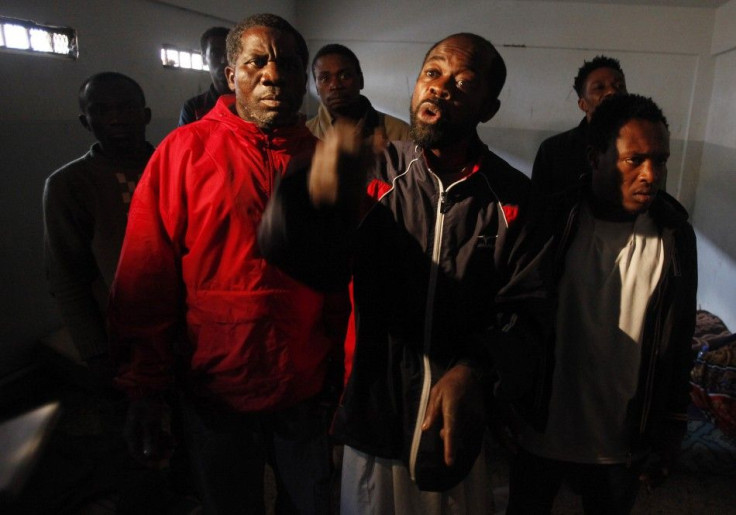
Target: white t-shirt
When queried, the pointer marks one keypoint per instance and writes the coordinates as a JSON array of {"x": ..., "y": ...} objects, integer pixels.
[{"x": 611, "y": 271}]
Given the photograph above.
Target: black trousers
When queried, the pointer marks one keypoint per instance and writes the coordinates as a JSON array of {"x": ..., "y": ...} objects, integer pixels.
[
  {"x": 605, "y": 489},
  {"x": 228, "y": 452}
]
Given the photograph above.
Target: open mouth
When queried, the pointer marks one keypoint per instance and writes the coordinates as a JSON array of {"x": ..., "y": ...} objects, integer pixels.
[{"x": 429, "y": 111}]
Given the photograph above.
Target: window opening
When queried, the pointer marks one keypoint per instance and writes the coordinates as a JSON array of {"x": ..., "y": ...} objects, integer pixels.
[
  {"x": 173, "y": 57},
  {"x": 27, "y": 36}
]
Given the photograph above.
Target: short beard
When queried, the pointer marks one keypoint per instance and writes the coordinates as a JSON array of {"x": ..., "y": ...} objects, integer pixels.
[
  {"x": 268, "y": 120},
  {"x": 436, "y": 135}
]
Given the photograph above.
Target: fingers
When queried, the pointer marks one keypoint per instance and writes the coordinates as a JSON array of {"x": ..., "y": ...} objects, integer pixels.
[
  {"x": 440, "y": 405},
  {"x": 342, "y": 141},
  {"x": 448, "y": 434},
  {"x": 323, "y": 182},
  {"x": 433, "y": 411}
]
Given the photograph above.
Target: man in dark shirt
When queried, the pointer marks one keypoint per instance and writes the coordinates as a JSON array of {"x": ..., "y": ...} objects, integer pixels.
[
  {"x": 85, "y": 205},
  {"x": 214, "y": 56},
  {"x": 562, "y": 159}
]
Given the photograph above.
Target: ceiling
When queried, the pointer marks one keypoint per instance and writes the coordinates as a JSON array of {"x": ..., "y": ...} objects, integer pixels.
[{"x": 664, "y": 3}]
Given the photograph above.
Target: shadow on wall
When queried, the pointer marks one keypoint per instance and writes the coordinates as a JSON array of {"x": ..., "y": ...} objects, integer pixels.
[{"x": 712, "y": 218}]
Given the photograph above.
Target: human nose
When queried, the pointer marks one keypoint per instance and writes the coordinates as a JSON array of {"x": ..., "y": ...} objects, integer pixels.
[
  {"x": 272, "y": 72},
  {"x": 335, "y": 82},
  {"x": 439, "y": 88},
  {"x": 611, "y": 89},
  {"x": 651, "y": 171},
  {"x": 118, "y": 114}
]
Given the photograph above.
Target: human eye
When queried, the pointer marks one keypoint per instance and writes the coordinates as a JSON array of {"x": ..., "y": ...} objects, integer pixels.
[
  {"x": 431, "y": 73},
  {"x": 465, "y": 83},
  {"x": 259, "y": 61}
]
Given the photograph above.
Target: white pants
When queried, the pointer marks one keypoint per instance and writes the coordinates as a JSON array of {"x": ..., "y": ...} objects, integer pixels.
[{"x": 378, "y": 486}]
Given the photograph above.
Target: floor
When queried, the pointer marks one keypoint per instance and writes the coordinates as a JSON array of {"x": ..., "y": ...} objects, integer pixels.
[{"x": 687, "y": 491}]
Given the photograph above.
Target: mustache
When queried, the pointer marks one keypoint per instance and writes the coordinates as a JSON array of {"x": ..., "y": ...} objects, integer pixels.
[{"x": 440, "y": 105}]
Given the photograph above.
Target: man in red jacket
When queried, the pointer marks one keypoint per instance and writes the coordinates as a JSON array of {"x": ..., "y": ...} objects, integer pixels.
[{"x": 193, "y": 297}]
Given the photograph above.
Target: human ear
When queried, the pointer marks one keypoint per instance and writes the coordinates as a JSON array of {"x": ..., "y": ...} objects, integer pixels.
[
  {"x": 489, "y": 110},
  {"x": 583, "y": 105},
  {"x": 85, "y": 123},
  {"x": 230, "y": 76}
]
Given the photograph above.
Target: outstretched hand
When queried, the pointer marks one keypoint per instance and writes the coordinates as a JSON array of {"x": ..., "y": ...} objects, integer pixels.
[
  {"x": 338, "y": 166},
  {"x": 457, "y": 400}
]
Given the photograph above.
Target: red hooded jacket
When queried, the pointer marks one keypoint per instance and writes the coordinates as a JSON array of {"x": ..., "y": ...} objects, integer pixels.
[{"x": 191, "y": 275}]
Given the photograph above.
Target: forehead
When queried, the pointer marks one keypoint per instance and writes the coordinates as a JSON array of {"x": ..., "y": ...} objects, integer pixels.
[
  {"x": 644, "y": 136},
  {"x": 111, "y": 91},
  {"x": 217, "y": 42},
  {"x": 460, "y": 52},
  {"x": 604, "y": 74},
  {"x": 333, "y": 62},
  {"x": 267, "y": 39}
]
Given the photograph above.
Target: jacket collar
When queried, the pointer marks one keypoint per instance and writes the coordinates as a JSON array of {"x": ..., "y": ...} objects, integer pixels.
[{"x": 223, "y": 112}]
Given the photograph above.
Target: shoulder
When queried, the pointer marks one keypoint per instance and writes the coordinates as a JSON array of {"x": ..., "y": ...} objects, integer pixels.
[
  {"x": 564, "y": 140},
  {"x": 396, "y": 129},
  {"x": 70, "y": 172},
  {"x": 313, "y": 125},
  {"x": 668, "y": 212},
  {"x": 500, "y": 170}
]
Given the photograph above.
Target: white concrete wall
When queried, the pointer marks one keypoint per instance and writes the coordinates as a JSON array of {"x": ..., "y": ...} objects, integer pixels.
[
  {"x": 685, "y": 58},
  {"x": 715, "y": 201},
  {"x": 665, "y": 52},
  {"x": 679, "y": 56},
  {"x": 39, "y": 130}
]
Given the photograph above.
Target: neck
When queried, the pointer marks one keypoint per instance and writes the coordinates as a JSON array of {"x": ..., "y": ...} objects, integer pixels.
[
  {"x": 452, "y": 158},
  {"x": 353, "y": 113},
  {"x": 603, "y": 210},
  {"x": 132, "y": 154}
]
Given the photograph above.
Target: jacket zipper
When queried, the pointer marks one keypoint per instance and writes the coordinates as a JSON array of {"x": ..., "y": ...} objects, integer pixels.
[{"x": 426, "y": 368}]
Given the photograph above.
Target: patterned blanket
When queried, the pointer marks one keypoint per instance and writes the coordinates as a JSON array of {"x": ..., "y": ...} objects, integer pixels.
[{"x": 713, "y": 376}]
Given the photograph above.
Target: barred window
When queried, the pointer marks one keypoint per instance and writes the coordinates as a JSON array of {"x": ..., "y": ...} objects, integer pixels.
[
  {"x": 27, "y": 36},
  {"x": 172, "y": 57}
]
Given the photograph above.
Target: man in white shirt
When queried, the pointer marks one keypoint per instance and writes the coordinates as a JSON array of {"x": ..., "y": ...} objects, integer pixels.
[{"x": 619, "y": 268}]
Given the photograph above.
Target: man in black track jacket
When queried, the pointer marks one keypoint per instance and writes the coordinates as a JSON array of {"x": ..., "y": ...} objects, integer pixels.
[{"x": 421, "y": 245}]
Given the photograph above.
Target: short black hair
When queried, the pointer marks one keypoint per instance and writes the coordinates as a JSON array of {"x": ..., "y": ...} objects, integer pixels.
[
  {"x": 496, "y": 68},
  {"x": 107, "y": 77},
  {"x": 336, "y": 48},
  {"x": 599, "y": 61},
  {"x": 615, "y": 112},
  {"x": 235, "y": 45},
  {"x": 212, "y": 32}
]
